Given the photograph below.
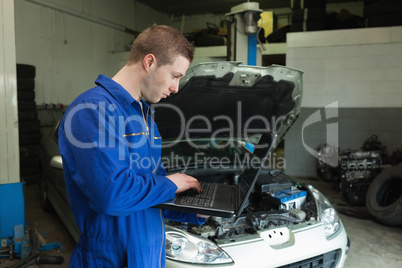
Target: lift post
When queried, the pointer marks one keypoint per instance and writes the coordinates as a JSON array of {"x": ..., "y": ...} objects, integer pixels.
[{"x": 242, "y": 33}]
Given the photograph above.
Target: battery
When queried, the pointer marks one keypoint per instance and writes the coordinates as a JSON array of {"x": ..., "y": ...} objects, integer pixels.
[{"x": 292, "y": 199}]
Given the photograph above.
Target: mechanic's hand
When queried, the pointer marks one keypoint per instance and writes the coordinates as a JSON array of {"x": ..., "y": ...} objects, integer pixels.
[{"x": 184, "y": 182}]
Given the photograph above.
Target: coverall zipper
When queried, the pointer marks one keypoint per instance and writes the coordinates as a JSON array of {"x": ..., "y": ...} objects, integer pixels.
[
  {"x": 163, "y": 235},
  {"x": 154, "y": 171},
  {"x": 149, "y": 137}
]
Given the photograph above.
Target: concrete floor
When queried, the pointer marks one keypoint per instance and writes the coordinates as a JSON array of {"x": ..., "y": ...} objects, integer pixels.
[{"x": 372, "y": 244}]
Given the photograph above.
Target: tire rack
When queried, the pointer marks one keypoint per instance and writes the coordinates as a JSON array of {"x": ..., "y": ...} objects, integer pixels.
[
  {"x": 308, "y": 15},
  {"x": 29, "y": 124},
  {"x": 382, "y": 13}
]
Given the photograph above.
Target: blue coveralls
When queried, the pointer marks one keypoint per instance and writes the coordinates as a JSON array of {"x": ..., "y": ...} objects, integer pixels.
[{"x": 111, "y": 151}]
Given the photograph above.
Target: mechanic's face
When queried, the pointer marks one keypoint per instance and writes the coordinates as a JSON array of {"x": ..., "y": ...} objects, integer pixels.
[{"x": 164, "y": 80}]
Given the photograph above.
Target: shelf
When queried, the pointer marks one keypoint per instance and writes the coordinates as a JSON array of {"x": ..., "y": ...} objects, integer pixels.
[
  {"x": 220, "y": 51},
  {"x": 210, "y": 52},
  {"x": 274, "y": 49}
]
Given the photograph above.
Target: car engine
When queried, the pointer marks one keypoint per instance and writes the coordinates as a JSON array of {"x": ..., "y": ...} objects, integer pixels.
[
  {"x": 355, "y": 170},
  {"x": 263, "y": 211},
  {"x": 358, "y": 168},
  {"x": 225, "y": 228}
]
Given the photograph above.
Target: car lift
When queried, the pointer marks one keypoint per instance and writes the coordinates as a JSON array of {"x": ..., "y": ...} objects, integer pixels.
[{"x": 242, "y": 33}]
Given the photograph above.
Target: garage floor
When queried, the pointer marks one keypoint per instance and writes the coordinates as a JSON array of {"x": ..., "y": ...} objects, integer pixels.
[{"x": 372, "y": 244}]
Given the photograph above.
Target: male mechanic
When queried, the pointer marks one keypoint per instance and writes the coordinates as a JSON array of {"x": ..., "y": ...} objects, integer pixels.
[{"x": 112, "y": 197}]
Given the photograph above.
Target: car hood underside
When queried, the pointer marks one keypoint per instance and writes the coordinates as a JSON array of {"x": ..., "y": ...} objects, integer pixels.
[{"x": 229, "y": 99}]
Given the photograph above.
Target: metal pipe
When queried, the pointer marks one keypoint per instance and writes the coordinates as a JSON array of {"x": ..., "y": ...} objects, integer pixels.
[{"x": 86, "y": 17}]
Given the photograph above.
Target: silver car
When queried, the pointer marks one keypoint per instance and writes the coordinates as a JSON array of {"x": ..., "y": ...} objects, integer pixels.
[{"x": 210, "y": 130}]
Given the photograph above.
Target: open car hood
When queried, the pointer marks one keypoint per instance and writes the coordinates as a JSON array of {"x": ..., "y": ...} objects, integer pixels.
[{"x": 228, "y": 99}]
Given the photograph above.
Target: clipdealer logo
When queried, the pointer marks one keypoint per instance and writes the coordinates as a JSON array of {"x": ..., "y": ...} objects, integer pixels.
[
  {"x": 332, "y": 134},
  {"x": 110, "y": 127}
]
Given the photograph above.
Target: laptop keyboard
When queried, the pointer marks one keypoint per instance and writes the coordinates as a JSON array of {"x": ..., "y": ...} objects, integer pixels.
[{"x": 203, "y": 199}]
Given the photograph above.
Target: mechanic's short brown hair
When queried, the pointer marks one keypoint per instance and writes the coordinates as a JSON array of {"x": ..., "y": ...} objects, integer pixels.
[{"x": 164, "y": 42}]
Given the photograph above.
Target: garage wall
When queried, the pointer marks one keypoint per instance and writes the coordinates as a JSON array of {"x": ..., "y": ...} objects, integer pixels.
[
  {"x": 9, "y": 150},
  {"x": 352, "y": 90},
  {"x": 71, "y": 42}
]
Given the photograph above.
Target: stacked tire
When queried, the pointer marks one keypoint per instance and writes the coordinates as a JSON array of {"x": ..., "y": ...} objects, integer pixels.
[
  {"x": 384, "y": 196},
  {"x": 308, "y": 15},
  {"x": 382, "y": 13},
  {"x": 28, "y": 123}
]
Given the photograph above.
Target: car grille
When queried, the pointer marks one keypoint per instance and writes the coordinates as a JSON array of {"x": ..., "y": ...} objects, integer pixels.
[{"x": 326, "y": 260}]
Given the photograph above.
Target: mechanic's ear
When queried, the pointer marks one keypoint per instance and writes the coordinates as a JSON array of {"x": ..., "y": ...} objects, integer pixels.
[{"x": 149, "y": 61}]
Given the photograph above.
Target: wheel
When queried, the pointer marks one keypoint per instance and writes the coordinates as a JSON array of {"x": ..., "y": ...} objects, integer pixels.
[
  {"x": 25, "y": 95},
  {"x": 308, "y": 26},
  {"x": 382, "y": 8},
  {"x": 25, "y": 84},
  {"x": 278, "y": 35},
  {"x": 384, "y": 196},
  {"x": 384, "y": 20},
  {"x": 26, "y": 70},
  {"x": 309, "y": 14},
  {"x": 300, "y": 4},
  {"x": 29, "y": 165},
  {"x": 368, "y": 2},
  {"x": 383, "y": 13},
  {"x": 27, "y": 115},
  {"x": 29, "y": 150},
  {"x": 27, "y": 105},
  {"x": 30, "y": 138},
  {"x": 29, "y": 126},
  {"x": 44, "y": 201},
  {"x": 29, "y": 169}
]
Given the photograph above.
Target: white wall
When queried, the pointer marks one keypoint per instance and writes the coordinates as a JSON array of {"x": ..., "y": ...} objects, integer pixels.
[
  {"x": 357, "y": 67},
  {"x": 9, "y": 150},
  {"x": 71, "y": 42},
  {"x": 359, "y": 72}
]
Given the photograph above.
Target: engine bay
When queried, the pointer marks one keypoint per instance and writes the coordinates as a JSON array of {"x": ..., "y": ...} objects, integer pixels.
[{"x": 277, "y": 200}]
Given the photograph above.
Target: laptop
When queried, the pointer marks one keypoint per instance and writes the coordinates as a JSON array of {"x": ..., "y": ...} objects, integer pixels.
[{"x": 223, "y": 200}]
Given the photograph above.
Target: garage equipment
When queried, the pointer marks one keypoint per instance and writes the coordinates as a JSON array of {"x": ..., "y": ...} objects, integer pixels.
[
  {"x": 30, "y": 251},
  {"x": 12, "y": 210},
  {"x": 242, "y": 33}
]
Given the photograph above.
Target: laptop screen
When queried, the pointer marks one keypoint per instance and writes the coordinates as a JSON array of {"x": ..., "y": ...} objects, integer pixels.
[
  {"x": 232, "y": 198},
  {"x": 262, "y": 151}
]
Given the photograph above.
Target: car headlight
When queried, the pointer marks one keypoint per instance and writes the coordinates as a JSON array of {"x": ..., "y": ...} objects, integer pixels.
[
  {"x": 326, "y": 213},
  {"x": 186, "y": 247}
]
